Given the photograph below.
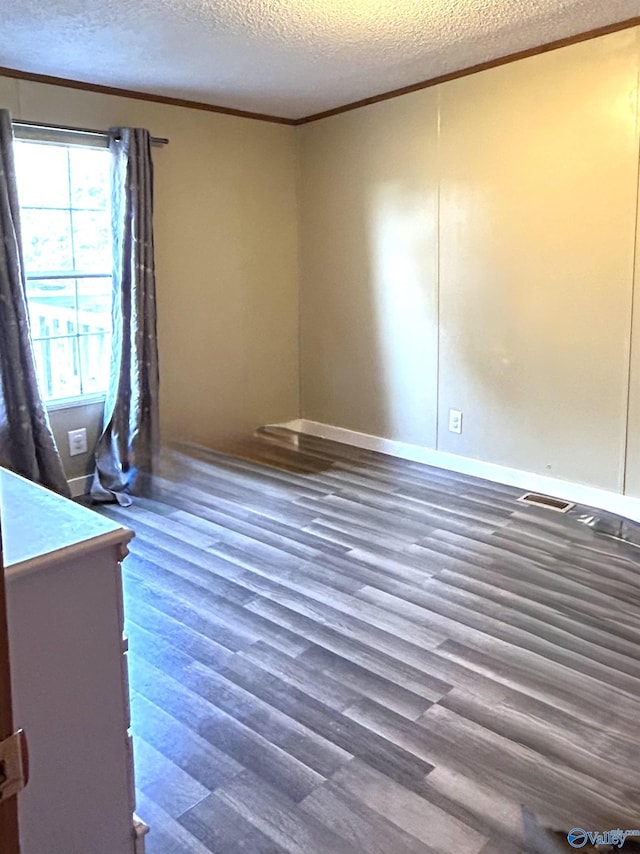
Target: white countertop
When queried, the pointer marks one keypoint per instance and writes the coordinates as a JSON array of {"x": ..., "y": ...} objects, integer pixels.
[{"x": 38, "y": 525}]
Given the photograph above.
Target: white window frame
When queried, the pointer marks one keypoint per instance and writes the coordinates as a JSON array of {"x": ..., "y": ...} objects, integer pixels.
[{"x": 51, "y": 135}]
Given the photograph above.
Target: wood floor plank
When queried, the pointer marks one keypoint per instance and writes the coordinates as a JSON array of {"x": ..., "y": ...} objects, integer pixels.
[
  {"x": 505, "y": 671},
  {"x": 307, "y": 747},
  {"x": 370, "y": 669},
  {"x": 577, "y": 796},
  {"x": 217, "y": 825},
  {"x": 219, "y": 617},
  {"x": 225, "y": 732},
  {"x": 335, "y": 693},
  {"x": 480, "y": 623},
  {"x": 378, "y": 751},
  {"x": 417, "y": 816},
  {"x": 327, "y": 626},
  {"x": 520, "y": 770},
  {"x": 164, "y": 782},
  {"x": 544, "y": 735},
  {"x": 277, "y": 818},
  {"x": 477, "y": 803},
  {"x": 168, "y": 836},
  {"x": 179, "y": 743},
  {"x": 333, "y": 651},
  {"x": 364, "y": 827}
]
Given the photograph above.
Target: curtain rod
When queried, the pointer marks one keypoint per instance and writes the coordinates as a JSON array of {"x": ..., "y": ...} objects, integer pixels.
[{"x": 155, "y": 140}]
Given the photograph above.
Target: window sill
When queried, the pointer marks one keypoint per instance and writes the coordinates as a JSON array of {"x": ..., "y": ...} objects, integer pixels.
[{"x": 74, "y": 402}]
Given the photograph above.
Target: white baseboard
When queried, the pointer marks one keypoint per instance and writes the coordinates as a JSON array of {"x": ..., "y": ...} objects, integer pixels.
[
  {"x": 80, "y": 485},
  {"x": 613, "y": 502}
]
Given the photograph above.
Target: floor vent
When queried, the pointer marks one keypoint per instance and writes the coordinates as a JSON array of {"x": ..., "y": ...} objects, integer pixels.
[{"x": 557, "y": 504}]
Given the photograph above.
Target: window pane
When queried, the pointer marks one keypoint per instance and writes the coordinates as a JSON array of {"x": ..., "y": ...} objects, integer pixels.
[
  {"x": 94, "y": 305},
  {"x": 46, "y": 240},
  {"x": 89, "y": 177},
  {"x": 43, "y": 175},
  {"x": 92, "y": 241},
  {"x": 52, "y": 307},
  {"x": 66, "y": 230},
  {"x": 95, "y": 357},
  {"x": 58, "y": 368}
]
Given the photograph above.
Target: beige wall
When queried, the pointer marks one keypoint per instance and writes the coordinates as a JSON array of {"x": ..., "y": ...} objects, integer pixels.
[
  {"x": 89, "y": 416},
  {"x": 368, "y": 232},
  {"x": 538, "y": 201},
  {"x": 226, "y": 254},
  {"x": 471, "y": 246}
]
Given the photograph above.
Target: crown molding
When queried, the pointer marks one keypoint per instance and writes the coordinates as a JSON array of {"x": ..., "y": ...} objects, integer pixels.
[
  {"x": 354, "y": 105},
  {"x": 474, "y": 69},
  {"x": 140, "y": 96}
]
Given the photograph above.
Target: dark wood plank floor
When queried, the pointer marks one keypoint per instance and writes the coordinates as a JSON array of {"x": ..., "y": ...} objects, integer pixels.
[{"x": 335, "y": 651}]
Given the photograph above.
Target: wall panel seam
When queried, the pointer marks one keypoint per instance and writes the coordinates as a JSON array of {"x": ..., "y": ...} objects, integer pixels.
[{"x": 634, "y": 270}]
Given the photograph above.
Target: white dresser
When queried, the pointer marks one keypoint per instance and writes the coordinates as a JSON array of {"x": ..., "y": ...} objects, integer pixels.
[{"x": 69, "y": 671}]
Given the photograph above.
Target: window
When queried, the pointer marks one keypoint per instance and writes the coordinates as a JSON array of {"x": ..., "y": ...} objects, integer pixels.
[{"x": 64, "y": 192}]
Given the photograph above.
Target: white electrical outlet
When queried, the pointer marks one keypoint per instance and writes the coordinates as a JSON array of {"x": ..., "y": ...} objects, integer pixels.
[
  {"x": 455, "y": 421},
  {"x": 77, "y": 442}
]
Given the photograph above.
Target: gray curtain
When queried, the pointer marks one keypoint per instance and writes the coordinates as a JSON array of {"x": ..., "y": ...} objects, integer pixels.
[
  {"x": 27, "y": 445},
  {"x": 130, "y": 438}
]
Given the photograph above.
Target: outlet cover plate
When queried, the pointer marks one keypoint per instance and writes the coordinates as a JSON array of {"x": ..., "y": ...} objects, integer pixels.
[
  {"x": 455, "y": 421},
  {"x": 77, "y": 442}
]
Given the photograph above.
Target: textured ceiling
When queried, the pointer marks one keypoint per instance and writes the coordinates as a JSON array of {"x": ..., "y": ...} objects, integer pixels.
[{"x": 289, "y": 58}]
